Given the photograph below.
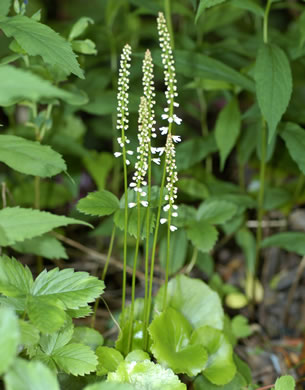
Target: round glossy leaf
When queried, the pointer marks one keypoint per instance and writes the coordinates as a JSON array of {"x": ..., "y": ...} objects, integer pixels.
[
  {"x": 171, "y": 332},
  {"x": 137, "y": 356},
  {"x": 108, "y": 360}
]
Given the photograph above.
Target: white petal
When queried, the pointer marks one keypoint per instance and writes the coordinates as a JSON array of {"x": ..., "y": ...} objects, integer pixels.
[
  {"x": 175, "y": 207},
  {"x": 144, "y": 203},
  {"x": 177, "y": 120},
  {"x": 127, "y": 162},
  {"x": 170, "y": 120},
  {"x": 174, "y": 214},
  {"x": 143, "y": 193},
  {"x": 156, "y": 161},
  {"x": 176, "y": 138},
  {"x": 132, "y": 184},
  {"x": 173, "y": 228},
  {"x": 117, "y": 154},
  {"x": 130, "y": 152},
  {"x": 163, "y": 220},
  {"x": 131, "y": 205},
  {"x": 164, "y": 116},
  {"x": 166, "y": 208}
]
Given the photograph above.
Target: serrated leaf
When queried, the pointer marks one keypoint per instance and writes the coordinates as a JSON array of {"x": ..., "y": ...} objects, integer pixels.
[
  {"x": 99, "y": 203},
  {"x": 146, "y": 375},
  {"x": 227, "y": 129},
  {"x": 9, "y": 337},
  {"x": 87, "y": 336},
  {"x": 46, "y": 246},
  {"x": 38, "y": 39},
  {"x": 73, "y": 289},
  {"x": 15, "y": 279},
  {"x": 273, "y": 84},
  {"x": 220, "y": 368},
  {"x": 82, "y": 312},
  {"x": 193, "y": 187},
  {"x": 171, "y": 333},
  {"x": 199, "y": 304},
  {"x": 202, "y": 235},
  {"x": 29, "y": 334},
  {"x": 108, "y": 360},
  {"x": 50, "y": 343},
  {"x": 204, "y": 4},
  {"x": 30, "y": 157},
  {"x": 290, "y": 241},
  {"x": 286, "y": 382},
  {"x": 216, "y": 211},
  {"x": 293, "y": 136},
  {"x": 75, "y": 359},
  {"x": 5, "y": 6},
  {"x": 33, "y": 375},
  {"x": 18, "y": 84},
  {"x": 20, "y": 224}
]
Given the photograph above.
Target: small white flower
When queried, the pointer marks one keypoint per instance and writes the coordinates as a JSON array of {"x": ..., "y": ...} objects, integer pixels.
[
  {"x": 132, "y": 184},
  {"x": 143, "y": 193},
  {"x": 170, "y": 120},
  {"x": 117, "y": 154},
  {"x": 176, "y": 138},
  {"x": 166, "y": 109},
  {"x": 130, "y": 152},
  {"x": 176, "y": 104},
  {"x": 177, "y": 120},
  {"x": 156, "y": 161},
  {"x": 173, "y": 228},
  {"x": 153, "y": 150},
  {"x": 164, "y": 116},
  {"x": 127, "y": 162},
  {"x": 164, "y": 130},
  {"x": 174, "y": 214},
  {"x": 163, "y": 220},
  {"x": 144, "y": 203},
  {"x": 166, "y": 208},
  {"x": 131, "y": 205},
  {"x": 160, "y": 151},
  {"x": 175, "y": 207}
]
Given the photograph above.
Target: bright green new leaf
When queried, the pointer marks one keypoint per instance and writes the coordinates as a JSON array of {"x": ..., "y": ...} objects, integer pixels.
[
  {"x": 204, "y": 4},
  {"x": 220, "y": 368},
  {"x": 33, "y": 375},
  {"x": 290, "y": 241},
  {"x": 122, "y": 341},
  {"x": 170, "y": 333},
  {"x": 216, "y": 212},
  {"x": 87, "y": 336},
  {"x": 5, "y": 7},
  {"x": 15, "y": 279},
  {"x": 9, "y": 337},
  {"x": 293, "y": 136},
  {"x": 202, "y": 235},
  {"x": 85, "y": 46},
  {"x": 178, "y": 251},
  {"x": 19, "y": 224},
  {"x": 227, "y": 129},
  {"x": 137, "y": 356},
  {"x": 146, "y": 375},
  {"x": 108, "y": 360},
  {"x": 38, "y": 39},
  {"x": 199, "y": 304},
  {"x": 99, "y": 203},
  {"x": 273, "y": 84},
  {"x": 29, "y": 334},
  {"x": 46, "y": 246},
  {"x": 30, "y": 157},
  {"x": 18, "y": 84},
  {"x": 285, "y": 382},
  {"x": 51, "y": 342},
  {"x": 240, "y": 326},
  {"x": 79, "y": 27}
]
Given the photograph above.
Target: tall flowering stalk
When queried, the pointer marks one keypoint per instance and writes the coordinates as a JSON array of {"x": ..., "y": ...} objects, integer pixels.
[{"x": 122, "y": 125}]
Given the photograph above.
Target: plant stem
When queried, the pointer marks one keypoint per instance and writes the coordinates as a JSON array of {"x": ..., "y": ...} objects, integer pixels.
[
  {"x": 167, "y": 11},
  {"x": 96, "y": 304},
  {"x": 167, "y": 260},
  {"x": 266, "y": 18},
  {"x": 192, "y": 262}
]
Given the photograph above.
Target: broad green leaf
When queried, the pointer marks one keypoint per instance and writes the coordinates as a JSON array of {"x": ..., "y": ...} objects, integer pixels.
[
  {"x": 199, "y": 304},
  {"x": 82, "y": 312},
  {"x": 18, "y": 85},
  {"x": 227, "y": 129},
  {"x": 246, "y": 240},
  {"x": 146, "y": 375},
  {"x": 29, "y": 334},
  {"x": 276, "y": 197},
  {"x": 301, "y": 25},
  {"x": 108, "y": 360},
  {"x": 273, "y": 84},
  {"x": 5, "y": 7},
  {"x": 20, "y": 224},
  {"x": 137, "y": 356},
  {"x": 15, "y": 279},
  {"x": 46, "y": 246},
  {"x": 290, "y": 241},
  {"x": 132, "y": 226},
  {"x": 122, "y": 341},
  {"x": 240, "y": 327},
  {"x": 33, "y": 375},
  {"x": 99, "y": 167},
  {"x": 216, "y": 212},
  {"x": 202, "y": 235},
  {"x": 204, "y": 4},
  {"x": 192, "y": 65},
  {"x": 249, "y": 5},
  {"x": 286, "y": 382},
  {"x": 293, "y": 136},
  {"x": 50, "y": 343},
  {"x": 238, "y": 383},
  {"x": 99, "y": 203},
  {"x": 30, "y": 157},
  {"x": 79, "y": 27},
  {"x": 109, "y": 386},
  {"x": 220, "y": 368},
  {"x": 170, "y": 332},
  {"x": 178, "y": 251},
  {"x": 73, "y": 289},
  {"x": 87, "y": 336},
  {"x": 9, "y": 337},
  {"x": 193, "y": 187},
  {"x": 38, "y": 39}
]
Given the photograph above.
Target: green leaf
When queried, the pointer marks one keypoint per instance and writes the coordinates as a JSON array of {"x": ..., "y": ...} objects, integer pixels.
[
  {"x": 50, "y": 343},
  {"x": 273, "y": 84},
  {"x": 178, "y": 251},
  {"x": 87, "y": 336},
  {"x": 132, "y": 226},
  {"x": 122, "y": 343},
  {"x": 109, "y": 386},
  {"x": 249, "y": 5},
  {"x": 46, "y": 246},
  {"x": 99, "y": 166},
  {"x": 19, "y": 84},
  {"x": 216, "y": 212},
  {"x": 227, "y": 129},
  {"x": 5, "y": 6},
  {"x": 15, "y": 279},
  {"x": 293, "y": 136},
  {"x": 9, "y": 337},
  {"x": 202, "y": 235},
  {"x": 79, "y": 27},
  {"x": 204, "y": 4},
  {"x": 38, "y": 39},
  {"x": 146, "y": 375},
  {"x": 137, "y": 356},
  {"x": 29, "y": 334},
  {"x": 30, "y": 157},
  {"x": 85, "y": 46},
  {"x": 220, "y": 368},
  {"x": 240, "y": 327},
  {"x": 33, "y": 375},
  {"x": 246, "y": 240},
  {"x": 170, "y": 333},
  {"x": 238, "y": 383},
  {"x": 286, "y": 382},
  {"x": 108, "y": 360},
  {"x": 73, "y": 289},
  {"x": 99, "y": 203},
  {"x": 199, "y": 304},
  {"x": 193, "y": 187},
  {"x": 290, "y": 241},
  {"x": 19, "y": 224}
]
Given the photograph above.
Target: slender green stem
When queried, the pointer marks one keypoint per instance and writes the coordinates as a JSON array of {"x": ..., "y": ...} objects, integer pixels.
[
  {"x": 167, "y": 11},
  {"x": 167, "y": 259},
  {"x": 266, "y": 18},
  {"x": 133, "y": 284},
  {"x": 103, "y": 276},
  {"x": 192, "y": 262}
]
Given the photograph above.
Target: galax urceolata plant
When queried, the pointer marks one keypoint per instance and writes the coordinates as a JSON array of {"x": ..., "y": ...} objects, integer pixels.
[{"x": 182, "y": 335}]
